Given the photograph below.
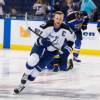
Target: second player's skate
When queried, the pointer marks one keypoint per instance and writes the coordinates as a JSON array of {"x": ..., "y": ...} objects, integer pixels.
[
  {"x": 70, "y": 64},
  {"x": 76, "y": 60}
]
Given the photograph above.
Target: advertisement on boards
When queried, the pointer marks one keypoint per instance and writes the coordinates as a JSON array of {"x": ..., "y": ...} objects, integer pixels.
[
  {"x": 91, "y": 37},
  {"x": 20, "y": 37}
]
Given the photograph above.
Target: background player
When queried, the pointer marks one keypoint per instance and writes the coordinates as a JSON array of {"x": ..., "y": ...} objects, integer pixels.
[
  {"x": 77, "y": 20},
  {"x": 43, "y": 52},
  {"x": 75, "y": 24}
]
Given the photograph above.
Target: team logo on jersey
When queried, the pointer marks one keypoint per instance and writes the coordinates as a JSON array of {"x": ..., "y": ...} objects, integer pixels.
[{"x": 63, "y": 33}]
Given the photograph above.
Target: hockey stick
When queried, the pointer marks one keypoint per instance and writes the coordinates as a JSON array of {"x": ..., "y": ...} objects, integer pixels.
[{"x": 26, "y": 23}]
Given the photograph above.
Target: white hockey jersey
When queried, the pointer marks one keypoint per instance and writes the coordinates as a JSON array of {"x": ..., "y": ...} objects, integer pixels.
[{"x": 57, "y": 37}]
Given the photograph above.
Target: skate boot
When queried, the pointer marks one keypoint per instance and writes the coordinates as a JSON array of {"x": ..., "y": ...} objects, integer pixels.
[
  {"x": 56, "y": 68},
  {"x": 19, "y": 89},
  {"x": 22, "y": 85},
  {"x": 76, "y": 60},
  {"x": 24, "y": 79},
  {"x": 70, "y": 64}
]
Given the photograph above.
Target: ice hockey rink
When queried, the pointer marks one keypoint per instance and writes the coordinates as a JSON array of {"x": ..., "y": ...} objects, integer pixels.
[{"x": 80, "y": 83}]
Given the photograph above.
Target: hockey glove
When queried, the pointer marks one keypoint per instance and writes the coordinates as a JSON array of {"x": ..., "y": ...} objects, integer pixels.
[
  {"x": 98, "y": 26},
  {"x": 46, "y": 42},
  {"x": 84, "y": 27}
]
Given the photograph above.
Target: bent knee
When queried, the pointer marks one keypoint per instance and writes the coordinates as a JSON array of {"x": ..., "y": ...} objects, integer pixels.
[{"x": 33, "y": 60}]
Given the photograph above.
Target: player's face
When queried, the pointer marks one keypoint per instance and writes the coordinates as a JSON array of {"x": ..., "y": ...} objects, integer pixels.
[
  {"x": 58, "y": 19},
  {"x": 68, "y": 1}
]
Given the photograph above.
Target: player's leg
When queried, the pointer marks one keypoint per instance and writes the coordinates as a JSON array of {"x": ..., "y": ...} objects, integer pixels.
[
  {"x": 47, "y": 58},
  {"x": 25, "y": 79},
  {"x": 55, "y": 64},
  {"x": 60, "y": 64},
  {"x": 33, "y": 68},
  {"x": 33, "y": 59},
  {"x": 76, "y": 50},
  {"x": 65, "y": 65},
  {"x": 31, "y": 63},
  {"x": 77, "y": 47}
]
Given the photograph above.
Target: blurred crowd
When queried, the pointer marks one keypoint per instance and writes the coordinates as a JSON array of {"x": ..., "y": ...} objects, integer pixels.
[{"x": 44, "y": 9}]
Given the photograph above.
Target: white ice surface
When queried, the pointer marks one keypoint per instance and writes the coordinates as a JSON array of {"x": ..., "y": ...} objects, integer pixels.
[{"x": 80, "y": 83}]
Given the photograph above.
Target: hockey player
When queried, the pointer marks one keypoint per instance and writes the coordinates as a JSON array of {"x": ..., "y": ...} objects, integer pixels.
[
  {"x": 46, "y": 47},
  {"x": 77, "y": 20},
  {"x": 69, "y": 11}
]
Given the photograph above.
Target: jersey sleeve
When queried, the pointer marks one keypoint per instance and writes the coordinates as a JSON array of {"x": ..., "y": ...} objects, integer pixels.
[
  {"x": 47, "y": 24},
  {"x": 45, "y": 27},
  {"x": 86, "y": 18},
  {"x": 71, "y": 21},
  {"x": 70, "y": 36}
]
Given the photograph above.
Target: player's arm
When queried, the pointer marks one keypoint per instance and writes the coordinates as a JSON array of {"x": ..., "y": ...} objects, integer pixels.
[
  {"x": 86, "y": 20},
  {"x": 41, "y": 31},
  {"x": 71, "y": 18},
  {"x": 70, "y": 37},
  {"x": 45, "y": 41},
  {"x": 69, "y": 41}
]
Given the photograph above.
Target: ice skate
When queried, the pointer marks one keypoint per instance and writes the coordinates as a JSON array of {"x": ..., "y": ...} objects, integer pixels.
[
  {"x": 76, "y": 60},
  {"x": 56, "y": 69},
  {"x": 24, "y": 78},
  {"x": 19, "y": 89},
  {"x": 70, "y": 64},
  {"x": 22, "y": 85}
]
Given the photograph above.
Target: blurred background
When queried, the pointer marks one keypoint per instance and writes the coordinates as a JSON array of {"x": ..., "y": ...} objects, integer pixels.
[
  {"x": 44, "y": 9},
  {"x": 14, "y": 35}
]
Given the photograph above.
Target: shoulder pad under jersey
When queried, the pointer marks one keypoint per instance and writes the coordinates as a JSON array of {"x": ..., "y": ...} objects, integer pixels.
[{"x": 47, "y": 24}]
